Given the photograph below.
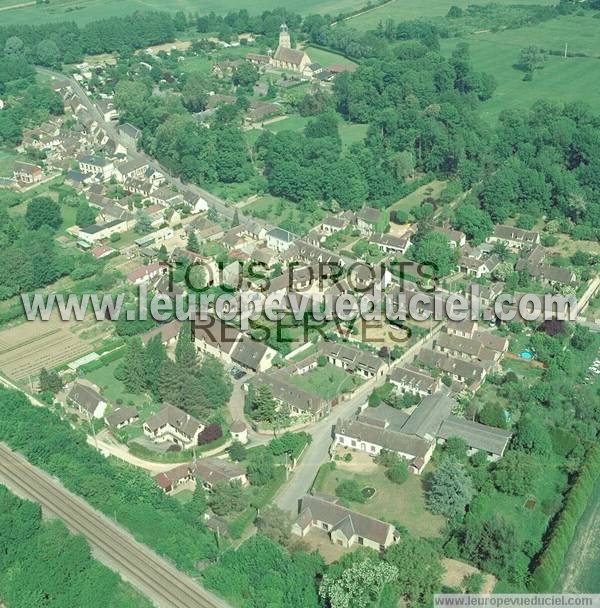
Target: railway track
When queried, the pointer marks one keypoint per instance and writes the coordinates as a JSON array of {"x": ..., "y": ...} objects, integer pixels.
[{"x": 152, "y": 575}]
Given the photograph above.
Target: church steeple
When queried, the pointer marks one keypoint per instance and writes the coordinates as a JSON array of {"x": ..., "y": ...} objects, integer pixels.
[{"x": 284, "y": 37}]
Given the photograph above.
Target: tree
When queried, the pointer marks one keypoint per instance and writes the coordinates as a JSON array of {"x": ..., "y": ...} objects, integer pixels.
[
  {"x": 450, "y": 489},
  {"x": 217, "y": 388},
  {"x": 419, "y": 569},
  {"x": 532, "y": 58},
  {"x": 350, "y": 489},
  {"x": 227, "y": 498},
  {"x": 245, "y": 75},
  {"x": 397, "y": 473},
  {"x": 532, "y": 437},
  {"x": 474, "y": 222},
  {"x": 85, "y": 215},
  {"x": 48, "y": 54},
  {"x": 198, "y": 505},
  {"x": 155, "y": 356},
  {"x": 434, "y": 250},
  {"x": 274, "y": 523},
  {"x": 456, "y": 448},
  {"x": 135, "y": 373},
  {"x": 42, "y": 211},
  {"x": 261, "y": 467},
  {"x": 192, "y": 242},
  {"x": 143, "y": 223},
  {"x": 185, "y": 349},
  {"x": 493, "y": 414},
  {"x": 50, "y": 381},
  {"x": 264, "y": 406},
  {"x": 194, "y": 93},
  {"x": 14, "y": 46},
  {"x": 515, "y": 473},
  {"x": 237, "y": 451},
  {"x": 358, "y": 586}
]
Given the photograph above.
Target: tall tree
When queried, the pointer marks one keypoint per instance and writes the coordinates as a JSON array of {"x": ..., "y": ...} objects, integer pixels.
[
  {"x": 155, "y": 356},
  {"x": 134, "y": 372},
  {"x": 185, "y": 350},
  {"x": 450, "y": 489}
]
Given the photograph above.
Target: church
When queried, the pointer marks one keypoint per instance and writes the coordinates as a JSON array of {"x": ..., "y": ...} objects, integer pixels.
[{"x": 287, "y": 58}]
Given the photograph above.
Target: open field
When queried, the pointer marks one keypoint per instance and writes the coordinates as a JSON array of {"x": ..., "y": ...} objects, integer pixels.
[
  {"x": 580, "y": 574},
  {"x": 403, "y": 10},
  {"x": 26, "y": 348},
  {"x": 565, "y": 80},
  {"x": 414, "y": 199},
  {"x": 404, "y": 503},
  {"x": 83, "y": 11},
  {"x": 284, "y": 213},
  {"x": 7, "y": 161}
]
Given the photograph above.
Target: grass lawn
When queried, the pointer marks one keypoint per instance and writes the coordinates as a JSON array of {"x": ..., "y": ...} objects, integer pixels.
[
  {"x": 184, "y": 496},
  {"x": 284, "y": 213},
  {"x": 201, "y": 63},
  {"x": 326, "y": 58},
  {"x": 523, "y": 369},
  {"x": 563, "y": 80},
  {"x": 7, "y": 161},
  {"x": 68, "y": 216},
  {"x": 327, "y": 382},
  {"x": 83, "y": 11},
  {"x": 403, "y": 503},
  {"x": 402, "y": 10},
  {"x": 112, "y": 388},
  {"x": 432, "y": 189},
  {"x": 351, "y": 133},
  {"x": 293, "y": 122}
]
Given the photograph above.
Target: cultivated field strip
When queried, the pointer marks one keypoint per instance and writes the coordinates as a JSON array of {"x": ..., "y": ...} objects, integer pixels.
[{"x": 152, "y": 575}]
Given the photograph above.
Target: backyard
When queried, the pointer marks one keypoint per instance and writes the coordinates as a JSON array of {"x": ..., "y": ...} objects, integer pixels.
[
  {"x": 403, "y": 503},
  {"x": 327, "y": 382},
  {"x": 111, "y": 388}
]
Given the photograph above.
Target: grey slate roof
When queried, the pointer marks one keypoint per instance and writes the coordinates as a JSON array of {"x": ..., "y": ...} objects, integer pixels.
[
  {"x": 426, "y": 419},
  {"x": 122, "y": 415},
  {"x": 85, "y": 397},
  {"x": 477, "y": 436}
]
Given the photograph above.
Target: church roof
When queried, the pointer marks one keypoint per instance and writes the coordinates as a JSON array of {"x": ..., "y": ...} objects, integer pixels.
[{"x": 292, "y": 56}]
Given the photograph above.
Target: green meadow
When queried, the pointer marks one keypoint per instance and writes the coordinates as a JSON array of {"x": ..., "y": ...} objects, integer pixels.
[
  {"x": 564, "y": 80},
  {"x": 83, "y": 11}
]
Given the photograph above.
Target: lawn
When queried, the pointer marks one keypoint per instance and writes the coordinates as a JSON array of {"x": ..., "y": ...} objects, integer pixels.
[
  {"x": 112, "y": 388},
  {"x": 403, "y": 503},
  {"x": 564, "y": 80},
  {"x": 284, "y": 213},
  {"x": 7, "y": 160},
  {"x": 68, "y": 218},
  {"x": 326, "y": 58},
  {"x": 327, "y": 382},
  {"x": 83, "y": 11},
  {"x": 352, "y": 133},
  {"x": 414, "y": 199},
  {"x": 293, "y": 122},
  {"x": 403, "y": 10}
]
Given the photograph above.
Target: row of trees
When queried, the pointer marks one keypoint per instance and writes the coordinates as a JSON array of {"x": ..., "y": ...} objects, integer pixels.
[{"x": 41, "y": 563}]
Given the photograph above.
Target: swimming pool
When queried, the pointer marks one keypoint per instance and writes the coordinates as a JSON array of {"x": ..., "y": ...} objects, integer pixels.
[{"x": 526, "y": 354}]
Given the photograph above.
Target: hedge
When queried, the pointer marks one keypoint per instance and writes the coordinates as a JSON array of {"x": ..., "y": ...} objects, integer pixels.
[
  {"x": 113, "y": 355},
  {"x": 183, "y": 456},
  {"x": 552, "y": 560}
]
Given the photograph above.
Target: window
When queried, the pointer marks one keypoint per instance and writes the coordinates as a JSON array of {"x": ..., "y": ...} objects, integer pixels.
[
  {"x": 325, "y": 526},
  {"x": 353, "y": 443},
  {"x": 361, "y": 540}
]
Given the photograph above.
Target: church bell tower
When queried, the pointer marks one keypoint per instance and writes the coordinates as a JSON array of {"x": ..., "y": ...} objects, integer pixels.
[{"x": 284, "y": 37}]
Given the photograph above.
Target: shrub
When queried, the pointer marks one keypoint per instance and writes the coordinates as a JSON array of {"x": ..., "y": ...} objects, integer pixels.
[
  {"x": 350, "y": 490},
  {"x": 397, "y": 473},
  {"x": 211, "y": 433}
]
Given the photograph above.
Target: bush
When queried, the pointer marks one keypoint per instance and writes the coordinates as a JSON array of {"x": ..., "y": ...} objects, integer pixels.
[
  {"x": 350, "y": 489},
  {"x": 348, "y": 457},
  {"x": 211, "y": 433},
  {"x": 397, "y": 473}
]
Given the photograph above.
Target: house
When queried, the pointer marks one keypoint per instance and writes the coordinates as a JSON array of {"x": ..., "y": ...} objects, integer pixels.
[
  {"x": 138, "y": 186},
  {"x": 287, "y": 58},
  {"x": 354, "y": 360},
  {"x": 102, "y": 251},
  {"x": 143, "y": 274},
  {"x": 279, "y": 239},
  {"x": 170, "y": 424},
  {"x": 131, "y": 169},
  {"x": 465, "y": 348},
  {"x": 165, "y": 196},
  {"x": 455, "y": 237},
  {"x": 122, "y": 417},
  {"x": 195, "y": 202},
  {"x": 99, "y": 232},
  {"x": 27, "y": 173},
  {"x": 381, "y": 429},
  {"x": 130, "y": 135},
  {"x": 414, "y": 382},
  {"x": 345, "y": 527},
  {"x": 107, "y": 109},
  {"x": 332, "y": 224},
  {"x": 388, "y": 243},
  {"x": 479, "y": 437},
  {"x": 170, "y": 480},
  {"x": 214, "y": 337},
  {"x": 168, "y": 332},
  {"x": 545, "y": 273},
  {"x": 367, "y": 219},
  {"x": 514, "y": 238},
  {"x": 257, "y": 60},
  {"x": 87, "y": 400},
  {"x": 290, "y": 396},
  {"x": 253, "y": 355},
  {"x": 467, "y": 372},
  {"x": 209, "y": 471},
  {"x": 239, "y": 431},
  {"x": 98, "y": 166},
  {"x": 226, "y": 67},
  {"x": 259, "y": 110},
  {"x": 205, "y": 229},
  {"x": 263, "y": 256}
]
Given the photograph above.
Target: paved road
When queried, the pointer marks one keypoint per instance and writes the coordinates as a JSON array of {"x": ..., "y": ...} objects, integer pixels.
[{"x": 136, "y": 563}]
